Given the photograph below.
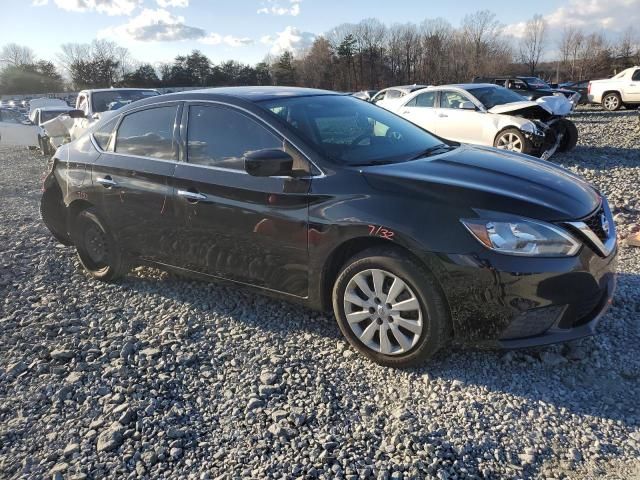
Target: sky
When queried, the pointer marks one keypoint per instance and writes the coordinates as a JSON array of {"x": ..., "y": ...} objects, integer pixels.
[{"x": 247, "y": 30}]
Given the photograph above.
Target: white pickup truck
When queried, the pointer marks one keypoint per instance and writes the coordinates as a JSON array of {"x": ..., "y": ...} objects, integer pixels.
[{"x": 620, "y": 90}]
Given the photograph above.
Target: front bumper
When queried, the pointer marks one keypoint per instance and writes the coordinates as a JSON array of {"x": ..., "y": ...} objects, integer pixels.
[
  {"x": 558, "y": 333},
  {"x": 513, "y": 302}
]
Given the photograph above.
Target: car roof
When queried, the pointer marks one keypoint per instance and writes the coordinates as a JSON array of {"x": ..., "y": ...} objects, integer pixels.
[
  {"x": 93, "y": 90},
  {"x": 465, "y": 86},
  {"x": 54, "y": 108},
  {"x": 256, "y": 94}
]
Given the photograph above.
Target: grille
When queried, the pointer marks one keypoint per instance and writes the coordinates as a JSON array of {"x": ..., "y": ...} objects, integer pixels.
[{"x": 594, "y": 223}]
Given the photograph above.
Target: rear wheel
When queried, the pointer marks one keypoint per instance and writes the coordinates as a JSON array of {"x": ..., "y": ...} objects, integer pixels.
[
  {"x": 570, "y": 135},
  {"x": 390, "y": 309},
  {"x": 611, "y": 101},
  {"x": 98, "y": 251},
  {"x": 513, "y": 140}
]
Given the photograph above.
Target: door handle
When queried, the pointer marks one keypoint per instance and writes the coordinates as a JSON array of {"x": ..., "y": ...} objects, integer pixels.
[
  {"x": 191, "y": 196},
  {"x": 106, "y": 182},
  {"x": 443, "y": 115}
]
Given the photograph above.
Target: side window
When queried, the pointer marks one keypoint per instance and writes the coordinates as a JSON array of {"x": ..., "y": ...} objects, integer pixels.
[
  {"x": 220, "y": 137},
  {"x": 449, "y": 99},
  {"x": 8, "y": 116},
  {"x": 102, "y": 135},
  {"x": 393, "y": 94},
  {"x": 501, "y": 82},
  {"x": 380, "y": 96},
  {"x": 148, "y": 133},
  {"x": 518, "y": 84},
  {"x": 636, "y": 75},
  {"x": 426, "y": 99}
]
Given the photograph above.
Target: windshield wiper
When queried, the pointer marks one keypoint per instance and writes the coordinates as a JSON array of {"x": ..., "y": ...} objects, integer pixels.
[{"x": 434, "y": 150}]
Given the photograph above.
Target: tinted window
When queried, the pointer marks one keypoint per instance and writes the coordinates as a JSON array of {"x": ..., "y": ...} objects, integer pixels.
[
  {"x": 148, "y": 133},
  {"x": 380, "y": 96},
  {"x": 46, "y": 115},
  {"x": 636, "y": 75},
  {"x": 492, "y": 96},
  {"x": 449, "y": 99},
  {"x": 102, "y": 135},
  {"x": 348, "y": 131},
  {"x": 114, "y": 99},
  {"x": 220, "y": 137},
  {"x": 8, "y": 116}
]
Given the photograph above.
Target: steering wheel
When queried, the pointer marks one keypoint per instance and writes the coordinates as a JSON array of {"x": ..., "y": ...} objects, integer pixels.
[{"x": 360, "y": 138}]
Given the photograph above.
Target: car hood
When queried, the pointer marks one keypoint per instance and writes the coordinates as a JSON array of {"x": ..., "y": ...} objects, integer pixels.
[
  {"x": 553, "y": 105},
  {"x": 490, "y": 179}
]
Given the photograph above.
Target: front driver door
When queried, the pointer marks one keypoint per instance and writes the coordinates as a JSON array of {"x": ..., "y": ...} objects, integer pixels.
[
  {"x": 421, "y": 111},
  {"x": 456, "y": 123},
  {"x": 235, "y": 226}
]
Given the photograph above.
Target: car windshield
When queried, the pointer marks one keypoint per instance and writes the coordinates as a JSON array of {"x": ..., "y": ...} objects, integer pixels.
[
  {"x": 46, "y": 115},
  {"x": 113, "y": 100},
  {"x": 349, "y": 131},
  {"x": 536, "y": 82},
  {"x": 492, "y": 96}
]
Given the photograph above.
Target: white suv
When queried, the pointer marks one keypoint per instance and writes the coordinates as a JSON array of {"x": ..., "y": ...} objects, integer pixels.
[{"x": 620, "y": 90}]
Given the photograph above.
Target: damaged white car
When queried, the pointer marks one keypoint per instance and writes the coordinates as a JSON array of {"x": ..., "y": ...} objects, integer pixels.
[
  {"x": 91, "y": 106},
  {"x": 486, "y": 114}
]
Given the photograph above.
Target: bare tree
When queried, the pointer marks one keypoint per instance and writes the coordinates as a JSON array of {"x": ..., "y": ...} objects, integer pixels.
[
  {"x": 571, "y": 43},
  {"x": 533, "y": 42},
  {"x": 16, "y": 55},
  {"x": 481, "y": 30}
]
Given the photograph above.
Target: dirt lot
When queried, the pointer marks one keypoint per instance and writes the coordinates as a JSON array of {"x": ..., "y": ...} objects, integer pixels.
[{"x": 163, "y": 378}]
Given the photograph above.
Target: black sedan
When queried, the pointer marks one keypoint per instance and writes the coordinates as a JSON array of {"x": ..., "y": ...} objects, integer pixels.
[
  {"x": 324, "y": 199},
  {"x": 531, "y": 88}
]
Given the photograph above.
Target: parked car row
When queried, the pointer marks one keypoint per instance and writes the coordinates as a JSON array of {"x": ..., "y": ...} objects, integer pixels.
[
  {"x": 488, "y": 114},
  {"x": 413, "y": 240}
]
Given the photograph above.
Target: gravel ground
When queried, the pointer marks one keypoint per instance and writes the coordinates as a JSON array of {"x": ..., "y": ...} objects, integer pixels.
[{"x": 163, "y": 378}]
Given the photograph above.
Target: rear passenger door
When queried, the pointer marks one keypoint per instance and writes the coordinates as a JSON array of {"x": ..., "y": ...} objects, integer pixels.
[
  {"x": 132, "y": 179},
  {"x": 234, "y": 225}
]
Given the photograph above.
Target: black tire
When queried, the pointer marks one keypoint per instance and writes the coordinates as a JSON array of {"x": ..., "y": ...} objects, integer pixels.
[
  {"x": 526, "y": 145},
  {"x": 43, "y": 146},
  {"x": 612, "y": 101},
  {"x": 98, "y": 251},
  {"x": 52, "y": 212},
  {"x": 570, "y": 132},
  {"x": 436, "y": 321}
]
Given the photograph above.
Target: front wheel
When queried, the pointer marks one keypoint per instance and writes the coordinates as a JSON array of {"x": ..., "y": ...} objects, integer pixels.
[
  {"x": 513, "y": 140},
  {"x": 390, "y": 308},
  {"x": 98, "y": 251},
  {"x": 570, "y": 135}
]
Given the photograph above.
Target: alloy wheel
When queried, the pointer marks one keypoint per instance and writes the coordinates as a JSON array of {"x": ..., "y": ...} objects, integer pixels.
[
  {"x": 509, "y": 141},
  {"x": 611, "y": 102},
  {"x": 95, "y": 244},
  {"x": 383, "y": 312}
]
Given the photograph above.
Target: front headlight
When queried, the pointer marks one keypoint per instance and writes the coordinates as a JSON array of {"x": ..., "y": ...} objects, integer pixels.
[{"x": 520, "y": 236}]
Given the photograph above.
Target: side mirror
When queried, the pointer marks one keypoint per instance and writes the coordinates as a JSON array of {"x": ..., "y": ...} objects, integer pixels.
[
  {"x": 269, "y": 162},
  {"x": 467, "y": 105},
  {"x": 76, "y": 114},
  {"x": 26, "y": 122}
]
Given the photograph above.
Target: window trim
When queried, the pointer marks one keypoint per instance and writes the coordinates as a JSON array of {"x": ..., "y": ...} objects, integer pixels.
[
  {"x": 180, "y": 131},
  {"x": 121, "y": 116}
]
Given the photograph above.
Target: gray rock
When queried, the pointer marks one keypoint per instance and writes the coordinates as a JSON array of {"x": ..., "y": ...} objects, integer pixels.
[{"x": 111, "y": 438}]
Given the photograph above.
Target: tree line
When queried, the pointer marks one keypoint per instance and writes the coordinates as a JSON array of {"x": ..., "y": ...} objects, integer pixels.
[{"x": 350, "y": 57}]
